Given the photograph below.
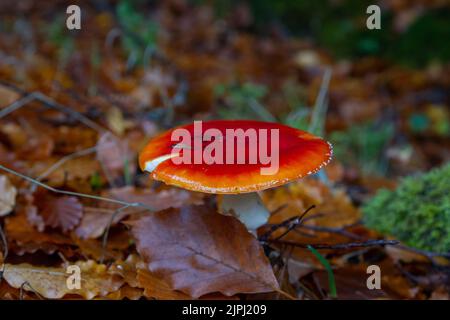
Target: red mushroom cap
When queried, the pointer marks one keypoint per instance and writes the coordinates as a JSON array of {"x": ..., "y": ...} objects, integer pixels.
[{"x": 300, "y": 154}]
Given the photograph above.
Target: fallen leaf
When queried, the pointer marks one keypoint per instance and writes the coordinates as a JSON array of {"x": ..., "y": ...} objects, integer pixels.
[
  {"x": 19, "y": 229},
  {"x": 126, "y": 292},
  {"x": 63, "y": 212},
  {"x": 8, "y": 96},
  {"x": 128, "y": 269},
  {"x": 95, "y": 220},
  {"x": 156, "y": 288},
  {"x": 7, "y": 195},
  {"x": 75, "y": 169},
  {"x": 93, "y": 249},
  {"x": 51, "y": 282},
  {"x": 440, "y": 294},
  {"x": 351, "y": 284},
  {"x": 133, "y": 271},
  {"x": 199, "y": 251}
]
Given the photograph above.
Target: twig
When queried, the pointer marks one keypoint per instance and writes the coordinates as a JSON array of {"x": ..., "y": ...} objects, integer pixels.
[
  {"x": 341, "y": 231},
  {"x": 5, "y": 243},
  {"x": 278, "y": 210},
  {"x": 368, "y": 243},
  {"x": 76, "y": 194},
  {"x": 106, "y": 233},
  {"x": 63, "y": 160},
  {"x": 124, "y": 204},
  {"x": 5, "y": 252},
  {"x": 290, "y": 224},
  {"x": 26, "y": 283},
  {"x": 427, "y": 254},
  {"x": 48, "y": 102}
]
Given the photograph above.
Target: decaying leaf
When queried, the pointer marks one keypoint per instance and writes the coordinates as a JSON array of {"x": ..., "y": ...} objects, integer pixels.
[
  {"x": 7, "y": 196},
  {"x": 95, "y": 220},
  {"x": 63, "y": 212},
  {"x": 127, "y": 269},
  {"x": 52, "y": 282},
  {"x": 126, "y": 292},
  {"x": 19, "y": 229},
  {"x": 157, "y": 288},
  {"x": 199, "y": 251},
  {"x": 133, "y": 271}
]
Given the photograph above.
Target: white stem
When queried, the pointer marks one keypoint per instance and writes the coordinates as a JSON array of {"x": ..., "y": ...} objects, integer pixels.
[{"x": 247, "y": 207}]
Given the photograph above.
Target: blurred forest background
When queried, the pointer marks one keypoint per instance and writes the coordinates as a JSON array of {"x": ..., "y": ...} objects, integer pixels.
[{"x": 95, "y": 96}]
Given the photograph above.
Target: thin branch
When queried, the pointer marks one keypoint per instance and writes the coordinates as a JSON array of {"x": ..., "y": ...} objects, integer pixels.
[
  {"x": 76, "y": 194},
  {"x": 22, "y": 287},
  {"x": 340, "y": 231},
  {"x": 350, "y": 245},
  {"x": 48, "y": 102},
  {"x": 295, "y": 222},
  {"x": 106, "y": 234},
  {"x": 427, "y": 254},
  {"x": 278, "y": 210},
  {"x": 5, "y": 252},
  {"x": 5, "y": 243},
  {"x": 290, "y": 224},
  {"x": 63, "y": 160}
]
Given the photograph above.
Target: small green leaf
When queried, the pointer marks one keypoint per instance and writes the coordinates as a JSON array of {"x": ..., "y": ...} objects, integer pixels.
[
  {"x": 326, "y": 264},
  {"x": 96, "y": 181}
]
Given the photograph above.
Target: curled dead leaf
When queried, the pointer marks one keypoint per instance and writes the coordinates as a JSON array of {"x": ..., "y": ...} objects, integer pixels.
[
  {"x": 198, "y": 251},
  {"x": 63, "y": 212}
]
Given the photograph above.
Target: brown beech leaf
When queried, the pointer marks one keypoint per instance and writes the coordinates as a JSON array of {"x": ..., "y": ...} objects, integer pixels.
[
  {"x": 63, "y": 212},
  {"x": 199, "y": 251},
  {"x": 95, "y": 220},
  {"x": 157, "y": 288},
  {"x": 51, "y": 282},
  {"x": 24, "y": 238},
  {"x": 133, "y": 271},
  {"x": 7, "y": 196}
]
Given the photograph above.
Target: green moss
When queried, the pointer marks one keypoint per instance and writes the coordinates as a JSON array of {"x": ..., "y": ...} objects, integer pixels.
[{"x": 417, "y": 212}]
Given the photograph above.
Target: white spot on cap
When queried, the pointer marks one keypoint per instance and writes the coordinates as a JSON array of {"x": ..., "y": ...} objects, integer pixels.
[{"x": 151, "y": 165}]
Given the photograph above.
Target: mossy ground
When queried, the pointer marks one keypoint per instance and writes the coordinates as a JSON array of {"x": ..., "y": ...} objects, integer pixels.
[{"x": 417, "y": 212}]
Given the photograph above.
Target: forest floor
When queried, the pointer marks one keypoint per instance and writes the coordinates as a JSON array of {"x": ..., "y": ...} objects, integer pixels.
[{"x": 76, "y": 107}]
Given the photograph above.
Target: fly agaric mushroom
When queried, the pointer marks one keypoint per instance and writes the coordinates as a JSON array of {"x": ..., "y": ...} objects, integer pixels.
[{"x": 231, "y": 158}]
